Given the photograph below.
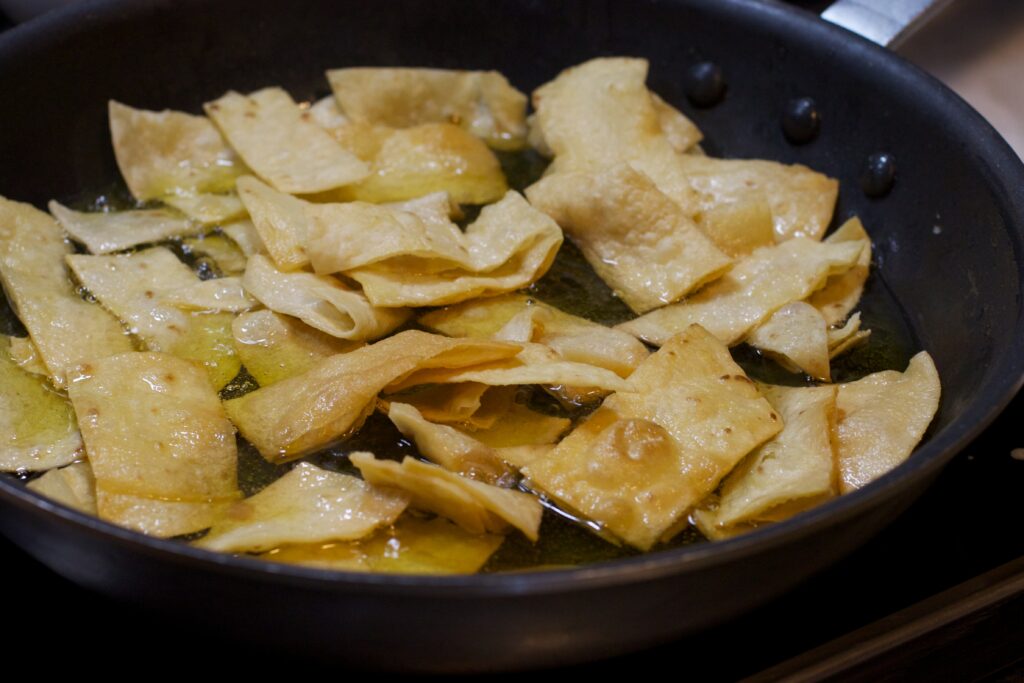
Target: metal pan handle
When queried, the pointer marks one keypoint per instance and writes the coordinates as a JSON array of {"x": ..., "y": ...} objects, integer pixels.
[{"x": 886, "y": 22}]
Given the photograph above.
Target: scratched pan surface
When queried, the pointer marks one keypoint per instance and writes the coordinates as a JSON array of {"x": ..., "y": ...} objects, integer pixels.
[{"x": 948, "y": 242}]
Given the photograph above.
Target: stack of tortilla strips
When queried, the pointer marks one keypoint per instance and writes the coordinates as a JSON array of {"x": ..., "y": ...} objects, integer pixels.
[{"x": 292, "y": 268}]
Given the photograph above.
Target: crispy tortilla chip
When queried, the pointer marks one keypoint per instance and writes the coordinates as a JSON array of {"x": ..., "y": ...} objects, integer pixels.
[
  {"x": 220, "y": 294},
  {"x": 320, "y": 301},
  {"x": 792, "y": 472},
  {"x": 326, "y": 113},
  {"x": 306, "y": 412},
  {"x": 646, "y": 457},
  {"x": 26, "y": 356},
  {"x": 739, "y": 227},
  {"x": 273, "y": 347},
  {"x": 37, "y": 425},
  {"x": 230, "y": 259},
  {"x": 207, "y": 208},
  {"x": 475, "y": 506},
  {"x": 469, "y": 403},
  {"x": 482, "y": 102},
  {"x": 796, "y": 337},
  {"x": 307, "y": 505},
  {"x": 155, "y": 430},
  {"x": 636, "y": 239},
  {"x": 842, "y": 339},
  {"x": 163, "y": 153},
  {"x": 66, "y": 329},
  {"x": 244, "y": 234},
  {"x": 279, "y": 220},
  {"x": 882, "y": 417},
  {"x": 102, "y": 232},
  {"x": 410, "y": 546},
  {"x": 682, "y": 133},
  {"x": 841, "y": 292},
  {"x": 281, "y": 143},
  {"x": 747, "y": 295},
  {"x": 437, "y": 208},
  {"x": 74, "y": 486},
  {"x": 521, "y": 426}
]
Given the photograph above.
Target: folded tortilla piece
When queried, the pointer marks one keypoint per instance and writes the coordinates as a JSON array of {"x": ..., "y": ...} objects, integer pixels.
[
  {"x": 842, "y": 339},
  {"x": 207, "y": 208},
  {"x": 219, "y": 294},
  {"x": 842, "y": 291},
  {"x": 797, "y": 338},
  {"x": 73, "y": 485},
  {"x": 225, "y": 252},
  {"x": 279, "y": 219},
  {"x": 105, "y": 232}
]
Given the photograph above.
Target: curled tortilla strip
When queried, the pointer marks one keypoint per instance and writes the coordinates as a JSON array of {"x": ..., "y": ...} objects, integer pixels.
[
  {"x": 469, "y": 404},
  {"x": 74, "y": 486},
  {"x": 681, "y": 132},
  {"x": 437, "y": 208},
  {"x": 161, "y": 448},
  {"x": 304, "y": 413},
  {"x": 219, "y": 294},
  {"x": 520, "y": 426},
  {"x": 244, "y": 234},
  {"x": 882, "y": 417},
  {"x": 279, "y": 220},
  {"x": 475, "y": 506},
  {"x": 636, "y": 239},
  {"x": 482, "y": 102},
  {"x": 573, "y": 338},
  {"x": 26, "y": 356},
  {"x": 320, "y": 301},
  {"x": 168, "y": 152},
  {"x": 842, "y": 339},
  {"x": 307, "y": 505},
  {"x": 450, "y": 448},
  {"x": 281, "y": 144},
  {"x": 207, "y": 208},
  {"x": 37, "y": 425},
  {"x": 103, "y": 232},
  {"x": 647, "y": 456},
  {"x": 747, "y": 295},
  {"x": 411, "y": 546},
  {"x": 273, "y": 347},
  {"x": 796, "y": 337},
  {"x": 65, "y": 329},
  {"x": 794, "y": 471},
  {"x": 841, "y": 292},
  {"x": 226, "y": 254}
]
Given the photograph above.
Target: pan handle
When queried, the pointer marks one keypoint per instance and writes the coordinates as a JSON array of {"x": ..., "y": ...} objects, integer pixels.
[{"x": 886, "y": 22}]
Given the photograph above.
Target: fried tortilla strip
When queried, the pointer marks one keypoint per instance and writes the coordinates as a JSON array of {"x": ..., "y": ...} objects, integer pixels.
[
  {"x": 482, "y": 102},
  {"x": 841, "y": 292},
  {"x": 281, "y": 144},
  {"x": 796, "y": 337},
  {"x": 273, "y": 347},
  {"x": 411, "y": 546},
  {"x": 66, "y": 329},
  {"x": 646, "y": 457},
  {"x": 450, "y": 448},
  {"x": 219, "y": 294},
  {"x": 244, "y": 234},
  {"x": 74, "y": 486},
  {"x": 469, "y": 403},
  {"x": 36, "y": 423},
  {"x": 163, "y": 153},
  {"x": 307, "y": 505},
  {"x": 26, "y": 356},
  {"x": 636, "y": 239},
  {"x": 161, "y": 448},
  {"x": 747, "y": 295},
  {"x": 475, "y": 506},
  {"x": 207, "y": 208},
  {"x": 320, "y": 301},
  {"x": 136, "y": 288},
  {"x": 842, "y": 339},
  {"x": 226, "y": 254},
  {"x": 103, "y": 232},
  {"x": 739, "y": 227},
  {"x": 573, "y": 338},
  {"x": 306, "y": 412},
  {"x": 794, "y": 471},
  {"x": 279, "y": 220},
  {"x": 682, "y": 133},
  {"x": 521, "y": 426},
  {"x": 882, "y": 417}
]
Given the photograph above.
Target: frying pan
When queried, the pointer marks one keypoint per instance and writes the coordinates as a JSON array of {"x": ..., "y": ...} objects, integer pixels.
[{"x": 948, "y": 237}]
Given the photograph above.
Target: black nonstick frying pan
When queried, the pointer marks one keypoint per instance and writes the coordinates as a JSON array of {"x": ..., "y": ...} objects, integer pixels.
[{"x": 948, "y": 237}]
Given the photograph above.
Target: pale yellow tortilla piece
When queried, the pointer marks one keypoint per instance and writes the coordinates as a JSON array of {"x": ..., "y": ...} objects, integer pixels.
[
  {"x": 273, "y": 347},
  {"x": 842, "y": 339},
  {"x": 74, "y": 486},
  {"x": 320, "y": 301},
  {"x": 882, "y": 417},
  {"x": 307, "y": 505},
  {"x": 281, "y": 144},
  {"x": 475, "y": 506},
  {"x": 411, "y": 162},
  {"x": 520, "y": 426},
  {"x": 37, "y": 425},
  {"x": 573, "y": 338},
  {"x": 682, "y": 133},
  {"x": 26, "y": 356},
  {"x": 469, "y": 403},
  {"x": 509, "y": 226},
  {"x": 842, "y": 292},
  {"x": 747, "y": 295},
  {"x": 741, "y": 226},
  {"x": 482, "y": 102},
  {"x": 326, "y": 113},
  {"x": 155, "y": 429},
  {"x": 797, "y": 337},
  {"x": 636, "y": 239},
  {"x": 795, "y": 470},
  {"x": 207, "y": 208},
  {"x": 411, "y": 546},
  {"x": 437, "y": 208},
  {"x": 168, "y": 152},
  {"x": 219, "y": 294},
  {"x": 450, "y": 448},
  {"x": 226, "y": 254},
  {"x": 304, "y": 413},
  {"x": 646, "y": 457},
  {"x": 105, "y": 232},
  {"x": 66, "y": 329},
  {"x": 244, "y": 234},
  {"x": 279, "y": 220}
]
